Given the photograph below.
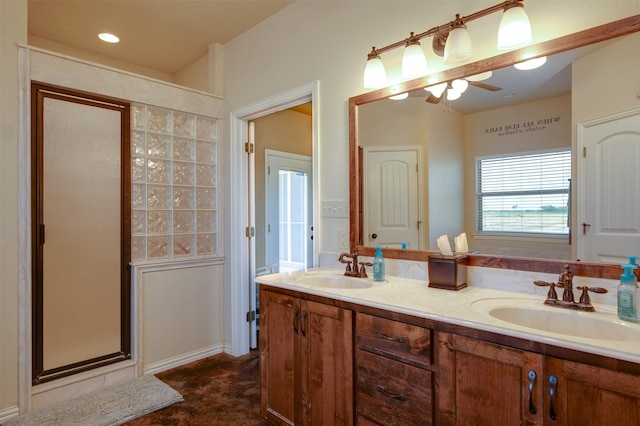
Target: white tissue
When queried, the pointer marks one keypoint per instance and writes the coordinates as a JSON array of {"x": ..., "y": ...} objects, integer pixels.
[
  {"x": 444, "y": 246},
  {"x": 460, "y": 243}
]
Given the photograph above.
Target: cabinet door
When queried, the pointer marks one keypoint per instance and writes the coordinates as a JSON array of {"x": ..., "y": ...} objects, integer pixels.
[
  {"x": 482, "y": 383},
  {"x": 590, "y": 396},
  {"x": 326, "y": 343},
  {"x": 279, "y": 322}
]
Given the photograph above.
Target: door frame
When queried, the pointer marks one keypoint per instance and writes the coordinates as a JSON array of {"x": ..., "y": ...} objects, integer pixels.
[{"x": 237, "y": 276}]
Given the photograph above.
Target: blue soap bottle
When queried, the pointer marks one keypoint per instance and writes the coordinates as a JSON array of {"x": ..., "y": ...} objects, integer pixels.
[
  {"x": 378, "y": 265},
  {"x": 628, "y": 294}
]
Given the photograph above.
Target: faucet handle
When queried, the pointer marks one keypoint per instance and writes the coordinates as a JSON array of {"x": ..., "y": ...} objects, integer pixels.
[
  {"x": 551, "y": 295},
  {"x": 584, "y": 297}
]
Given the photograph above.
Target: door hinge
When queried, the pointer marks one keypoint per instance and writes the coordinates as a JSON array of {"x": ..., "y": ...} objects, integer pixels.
[
  {"x": 251, "y": 316},
  {"x": 584, "y": 152},
  {"x": 248, "y": 148},
  {"x": 250, "y": 232}
]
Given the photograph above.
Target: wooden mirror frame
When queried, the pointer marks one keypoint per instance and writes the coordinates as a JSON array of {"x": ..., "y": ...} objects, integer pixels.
[{"x": 582, "y": 38}]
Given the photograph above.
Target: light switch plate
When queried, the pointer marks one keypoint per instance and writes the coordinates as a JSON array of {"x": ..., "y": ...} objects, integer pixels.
[{"x": 335, "y": 208}]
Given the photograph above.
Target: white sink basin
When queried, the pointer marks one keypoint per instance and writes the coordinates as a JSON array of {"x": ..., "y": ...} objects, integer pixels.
[
  {"x": 332, "y": 280},
  {"x": 536, "y": 315}
]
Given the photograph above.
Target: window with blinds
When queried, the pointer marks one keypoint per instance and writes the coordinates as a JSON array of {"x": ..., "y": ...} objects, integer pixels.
[{"x": 526, "y": 193}]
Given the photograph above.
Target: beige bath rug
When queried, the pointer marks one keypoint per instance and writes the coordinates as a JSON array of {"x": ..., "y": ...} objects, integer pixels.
[{"x": 113, "y": 405}]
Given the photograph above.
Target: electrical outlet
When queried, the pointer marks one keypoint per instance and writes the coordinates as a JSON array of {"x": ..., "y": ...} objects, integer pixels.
[{"x": 344, "y": 239}]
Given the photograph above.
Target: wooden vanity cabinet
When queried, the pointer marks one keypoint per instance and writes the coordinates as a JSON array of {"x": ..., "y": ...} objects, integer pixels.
[
  {"x": 394, "y": 381},
  {"x": 306, "y": 356},
  {"x": 586, "y": 395},
  {"x": 481, "y": 383}
]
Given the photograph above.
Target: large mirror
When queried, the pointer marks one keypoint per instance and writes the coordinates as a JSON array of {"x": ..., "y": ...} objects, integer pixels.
[{"x": 513, "y": 113}]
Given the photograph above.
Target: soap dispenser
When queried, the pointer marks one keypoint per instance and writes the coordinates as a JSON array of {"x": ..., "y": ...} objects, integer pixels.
[
  {"x": 628, "y": 294},
  {"x": 378, "y": 265}
]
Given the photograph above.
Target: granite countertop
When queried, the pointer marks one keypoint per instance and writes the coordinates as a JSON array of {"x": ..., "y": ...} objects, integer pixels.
[{"x": 470, "y": 306}]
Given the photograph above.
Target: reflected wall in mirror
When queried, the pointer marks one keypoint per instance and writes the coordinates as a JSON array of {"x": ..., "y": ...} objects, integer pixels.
[{"x": 425, "y": 153}]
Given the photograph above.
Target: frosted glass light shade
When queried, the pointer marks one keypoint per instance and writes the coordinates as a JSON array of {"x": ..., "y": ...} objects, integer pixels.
[
  {"x": 414, "y": 63},
  {"x": 437, "y": 89},
  {"x": 458, "y": 46},
  {"x": 375, "y": 76},
  {"x": 460, "y": 85},
  {"x": 453, "y": 94},
  {"x": 515, "y": 28}
]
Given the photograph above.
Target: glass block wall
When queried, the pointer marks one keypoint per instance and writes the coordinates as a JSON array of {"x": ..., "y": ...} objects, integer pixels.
[{"x": 174, "y": 178}]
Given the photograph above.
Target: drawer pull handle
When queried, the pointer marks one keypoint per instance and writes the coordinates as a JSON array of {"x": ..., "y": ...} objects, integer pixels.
[
  {"x": 399, "y": 396},
  {"x": 553, "y": 382},
  {"x": 302, "y": 330},
  {"x": 295, "y": 317},
  {"x": 532, "y": 380},
  {"x": 381, "y": 335}
]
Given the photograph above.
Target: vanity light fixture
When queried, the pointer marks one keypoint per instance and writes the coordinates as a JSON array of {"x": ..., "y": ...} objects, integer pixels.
[
  {"x": 514, "y": 32},
  {"x": 108, "y": 37}
]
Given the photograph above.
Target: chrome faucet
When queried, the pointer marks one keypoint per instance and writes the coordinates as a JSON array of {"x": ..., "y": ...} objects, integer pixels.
[
  {"x": 354, "y": 267},
  {"x": 565, "y": 281}
]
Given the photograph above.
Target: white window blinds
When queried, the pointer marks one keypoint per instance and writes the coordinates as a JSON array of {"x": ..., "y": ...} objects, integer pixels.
[{"x": 528, "y": 193}]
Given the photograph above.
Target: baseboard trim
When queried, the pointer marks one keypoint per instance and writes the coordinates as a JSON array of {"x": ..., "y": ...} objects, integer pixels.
[
  {"x": 9, "y": 413},
  {"x": 182, "y": 359}
]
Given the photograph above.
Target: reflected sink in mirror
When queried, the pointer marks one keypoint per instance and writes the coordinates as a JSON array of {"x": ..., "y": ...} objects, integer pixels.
[
  {"x": 535, "y": 315},
  {"x": 333, "y": 280}
]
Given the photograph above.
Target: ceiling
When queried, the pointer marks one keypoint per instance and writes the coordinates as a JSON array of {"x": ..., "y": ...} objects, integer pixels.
[{"x": 162, "y": 35}]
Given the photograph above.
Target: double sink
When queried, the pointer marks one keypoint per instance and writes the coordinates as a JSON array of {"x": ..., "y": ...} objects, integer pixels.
[{"x": 530, "y": 313}]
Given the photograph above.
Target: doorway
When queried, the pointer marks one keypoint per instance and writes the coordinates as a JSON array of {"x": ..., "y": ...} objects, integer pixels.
[
  {"x": 240, "y": 278},
  {"x": 288, "y": 211}
]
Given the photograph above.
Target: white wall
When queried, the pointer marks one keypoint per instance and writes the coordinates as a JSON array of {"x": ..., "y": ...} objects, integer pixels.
[{"x": 329, "y": 41}]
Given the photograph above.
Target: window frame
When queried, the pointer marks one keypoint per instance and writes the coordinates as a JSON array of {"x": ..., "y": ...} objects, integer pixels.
[{"x": 548, "y": 237}]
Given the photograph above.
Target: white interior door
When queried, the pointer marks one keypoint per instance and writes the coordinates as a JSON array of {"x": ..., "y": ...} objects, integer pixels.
[
  {"x": 392, "y": 197},
  {"x": 609, "y": 217},
  {"x": 289, "y": 210}
]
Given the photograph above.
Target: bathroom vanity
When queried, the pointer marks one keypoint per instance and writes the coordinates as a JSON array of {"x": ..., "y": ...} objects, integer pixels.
[{"x": 340, "y": 350}]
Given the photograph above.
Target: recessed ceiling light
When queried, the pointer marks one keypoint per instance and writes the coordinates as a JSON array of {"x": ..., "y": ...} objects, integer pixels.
[
  {"x": 109, "y": 38},
  {"x": 531, "y": 63}
]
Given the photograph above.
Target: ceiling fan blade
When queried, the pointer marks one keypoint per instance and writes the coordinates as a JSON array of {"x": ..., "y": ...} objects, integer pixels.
[
  {"x": 433, "y": 99},
  {"x": 485, "y": 86}
]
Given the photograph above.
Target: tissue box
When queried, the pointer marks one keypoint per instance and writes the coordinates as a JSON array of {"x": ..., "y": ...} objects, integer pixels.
[{"x": 447, "y": 272}]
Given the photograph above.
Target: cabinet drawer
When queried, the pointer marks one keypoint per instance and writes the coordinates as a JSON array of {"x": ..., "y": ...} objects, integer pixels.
[
  {"x": 389, "y": 392},
  {"x": 397, "y": 340}
]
